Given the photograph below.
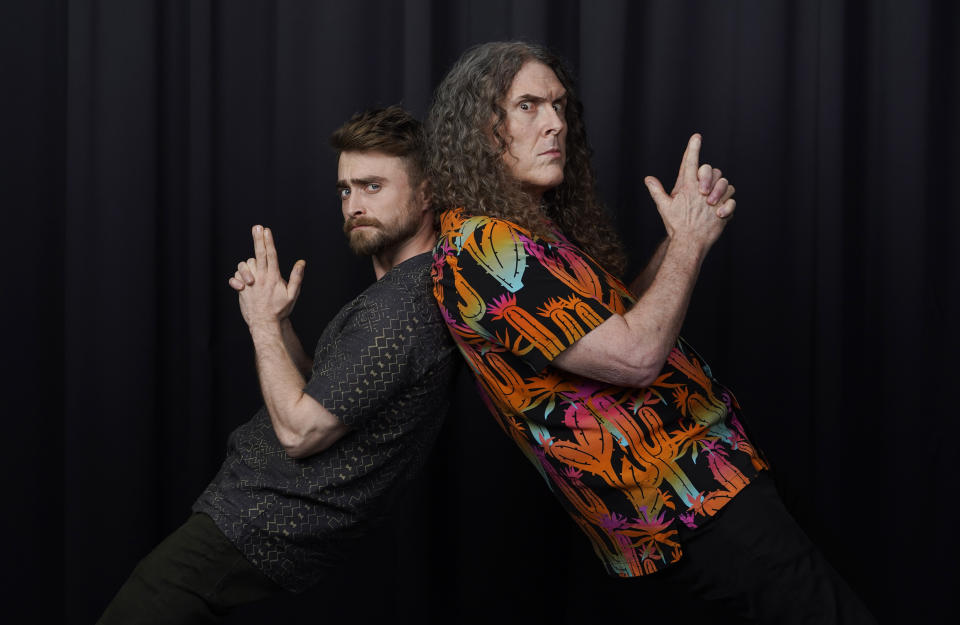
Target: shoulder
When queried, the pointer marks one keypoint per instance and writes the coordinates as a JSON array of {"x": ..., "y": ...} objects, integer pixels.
[
  {"x": 404, "y": 295},
  {"x": 408, "y": 282},
  {"x": 483, "y": 240},
  {"x": 457, "y": 227},
  {"x": 413, "y": 271},
  {"x": 481, "y": 248}
]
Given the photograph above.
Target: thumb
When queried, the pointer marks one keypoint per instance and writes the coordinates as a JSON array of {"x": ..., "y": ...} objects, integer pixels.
[
  {"x": 656, "y": 189},
  {"x": 296, "y": 277}
]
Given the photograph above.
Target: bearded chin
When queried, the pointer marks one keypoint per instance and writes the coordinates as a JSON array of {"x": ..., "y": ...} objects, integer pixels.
[
  {"x": 367, "y": 243},
  {"x": 373, "y": 241}
]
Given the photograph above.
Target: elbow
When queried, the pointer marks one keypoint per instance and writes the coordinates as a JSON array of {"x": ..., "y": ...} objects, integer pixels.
[
  {"x": 643, "y": 369},
  {"x": 644, "y": 378},
  {"x": 293, "y": 443},
  {"x": 299, "y": 445},
  {"x": 306, "y": 428},
  {"x": 632, "y": 355}
]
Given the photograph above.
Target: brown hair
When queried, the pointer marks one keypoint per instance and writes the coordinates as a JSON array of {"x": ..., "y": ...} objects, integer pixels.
[
  {"x": 390, "y": 130},
  {"x": 466, "y": 168}
]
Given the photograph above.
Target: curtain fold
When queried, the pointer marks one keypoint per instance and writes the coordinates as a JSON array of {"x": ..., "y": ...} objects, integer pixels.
[{"x": 145, "y": 137}]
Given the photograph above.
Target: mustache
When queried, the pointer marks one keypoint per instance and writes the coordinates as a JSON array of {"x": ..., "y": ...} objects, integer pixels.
[{"x": 350, "y": 224}]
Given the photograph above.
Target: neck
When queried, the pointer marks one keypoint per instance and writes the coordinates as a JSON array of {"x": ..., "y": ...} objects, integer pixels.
[
  {"x": 423, "y": 241},
  {"x": 535, "y": 195}
]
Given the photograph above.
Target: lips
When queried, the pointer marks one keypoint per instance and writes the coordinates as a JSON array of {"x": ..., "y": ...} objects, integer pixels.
[{"x": 349, "y": 226}]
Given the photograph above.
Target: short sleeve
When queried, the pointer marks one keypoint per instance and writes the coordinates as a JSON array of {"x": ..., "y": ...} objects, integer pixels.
[
  {"x": 531, "y": 297},
  {"x": 366, "y": 353}
]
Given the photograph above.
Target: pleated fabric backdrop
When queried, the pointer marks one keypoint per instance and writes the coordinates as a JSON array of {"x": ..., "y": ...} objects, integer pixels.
[{"x": 142, "y": 138}]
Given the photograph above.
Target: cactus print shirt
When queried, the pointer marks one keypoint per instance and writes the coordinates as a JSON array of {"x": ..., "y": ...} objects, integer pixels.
[{"x": 630, "y": 465}]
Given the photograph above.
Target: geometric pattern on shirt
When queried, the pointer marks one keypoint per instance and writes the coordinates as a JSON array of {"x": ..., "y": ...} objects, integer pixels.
[{"x": 383, "y": 366}]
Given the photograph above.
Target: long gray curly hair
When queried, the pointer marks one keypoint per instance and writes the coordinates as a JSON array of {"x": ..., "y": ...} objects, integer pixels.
[{"x": 466, "y": 168}]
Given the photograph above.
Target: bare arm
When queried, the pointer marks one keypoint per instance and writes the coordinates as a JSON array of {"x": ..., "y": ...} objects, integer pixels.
[
  {"x": 302, "y": 425},
  {"x": 243, "y": 278},
  {"x": 631, "y": 349},
  {"x": 645, "y": 278},
  {"x": 294, "y": 348},
  {"x": 715, "y": 187}
]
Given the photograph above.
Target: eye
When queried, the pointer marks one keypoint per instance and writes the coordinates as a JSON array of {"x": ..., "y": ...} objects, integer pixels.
[
  {"x": 526, "y": 106},
  {"x": 373, "y": 187},
  {"x": 558, "y": 107},
  {"x": 344, "y": 193}
]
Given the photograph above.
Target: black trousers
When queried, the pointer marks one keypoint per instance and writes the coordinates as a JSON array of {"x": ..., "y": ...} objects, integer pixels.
[
  {"x": 195, "y": 575},
  {"x": 755, "y": 562}
]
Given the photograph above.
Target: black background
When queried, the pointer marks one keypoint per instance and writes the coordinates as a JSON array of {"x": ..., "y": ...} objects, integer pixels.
[{"x": 142, "y": 138}]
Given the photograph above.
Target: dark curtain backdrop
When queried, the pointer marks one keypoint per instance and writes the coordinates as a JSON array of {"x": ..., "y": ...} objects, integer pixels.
[{"x": 142, "y": 139}]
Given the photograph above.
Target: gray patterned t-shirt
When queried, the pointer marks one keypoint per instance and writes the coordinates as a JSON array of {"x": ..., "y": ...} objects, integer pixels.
[{"x": 384, "y": 366}]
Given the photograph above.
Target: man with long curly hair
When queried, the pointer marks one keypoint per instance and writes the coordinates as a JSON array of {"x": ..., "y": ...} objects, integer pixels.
[{"x": 628, "y": 425}]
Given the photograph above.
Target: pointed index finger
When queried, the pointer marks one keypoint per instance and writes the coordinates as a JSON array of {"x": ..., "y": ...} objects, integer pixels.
[
  {"x": 691, "y": 160},
  {"x": 259, "y": 249}
]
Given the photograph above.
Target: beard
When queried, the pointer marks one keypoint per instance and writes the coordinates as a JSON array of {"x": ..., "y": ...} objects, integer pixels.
[{"x": 379, "y": 236}]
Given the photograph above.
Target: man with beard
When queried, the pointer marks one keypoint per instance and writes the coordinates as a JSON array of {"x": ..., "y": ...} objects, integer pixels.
[
  {"x": 337, "y": 436},
  {"x": 627, "y": 424}
]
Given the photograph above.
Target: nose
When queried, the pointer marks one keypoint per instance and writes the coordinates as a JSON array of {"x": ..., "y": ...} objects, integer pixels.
[
  {"x": 352, "y": 206},
  {"x": 555, "y": 121}
]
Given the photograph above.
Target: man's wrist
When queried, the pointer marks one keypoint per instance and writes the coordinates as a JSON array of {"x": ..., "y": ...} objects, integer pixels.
[
  {"x": 691, "y": 246},
  {"x": 265, "y": 329}
]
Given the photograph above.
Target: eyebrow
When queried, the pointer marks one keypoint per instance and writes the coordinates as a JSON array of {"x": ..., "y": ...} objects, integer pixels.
[
  {"x": 538, "y": 98},
  {"x": 342, "y": 184}
]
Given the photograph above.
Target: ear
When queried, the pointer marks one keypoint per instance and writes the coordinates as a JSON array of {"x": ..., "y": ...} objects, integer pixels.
[{"x": 424, "y": 196}]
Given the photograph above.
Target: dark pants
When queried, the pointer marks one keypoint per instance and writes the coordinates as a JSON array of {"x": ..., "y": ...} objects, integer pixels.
[
  {"x": 196, "y": 575},
  {"x": 756, "y": 562}
]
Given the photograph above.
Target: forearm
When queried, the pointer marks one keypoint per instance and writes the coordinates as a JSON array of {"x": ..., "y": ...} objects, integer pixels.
[
  {"x": 630, "y": 349},
  {"x": 301, "y": 424},
  {"x": 301, "y": 360},
  {"x": 656, "y": 319},
  {"x": 645, "y": 278}
]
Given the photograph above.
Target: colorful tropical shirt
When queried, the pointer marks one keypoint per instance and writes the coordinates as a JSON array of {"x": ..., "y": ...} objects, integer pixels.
[{"x": 632, "y": 466}]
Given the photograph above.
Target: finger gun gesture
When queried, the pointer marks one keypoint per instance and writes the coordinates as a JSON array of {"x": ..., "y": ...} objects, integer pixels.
[
  {"x": 701, "y": 201},
  {"x": 265, "y": 297}
]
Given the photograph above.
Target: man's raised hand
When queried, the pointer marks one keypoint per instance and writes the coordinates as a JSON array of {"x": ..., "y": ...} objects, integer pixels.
[
  {"x": 700, "y": 202},
  {"x": 263, "y": 293}
]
